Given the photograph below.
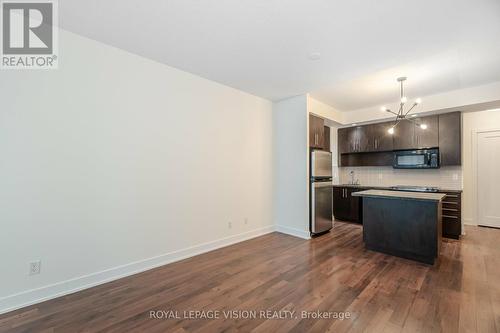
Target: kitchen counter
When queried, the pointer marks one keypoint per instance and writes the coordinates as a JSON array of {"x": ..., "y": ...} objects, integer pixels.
[
  {"x": 403, "y": 224},
  {"x": 388, "y": 188},
  {"x": 401, "y": 195}
]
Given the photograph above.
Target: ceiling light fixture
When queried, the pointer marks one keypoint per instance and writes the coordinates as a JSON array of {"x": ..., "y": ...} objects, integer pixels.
[{"x": 403, "y": 113}]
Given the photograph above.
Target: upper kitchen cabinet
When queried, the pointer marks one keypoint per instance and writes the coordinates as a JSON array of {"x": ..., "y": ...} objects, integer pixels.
[
  {"x": 409, "y": 135},
  {"x": 353, "y": 140},
  {"x": 316, "y": 132},
  {"x": 379, "y": 138},
  {"x": 376, "y": 144},
  {"x": 326, "y": 136},
  {"x": 343, "y": 143},
  {"x": 428, "y": 137},
  {"x": 450, "y": 147},
  {"x": 404, "y": 136}
]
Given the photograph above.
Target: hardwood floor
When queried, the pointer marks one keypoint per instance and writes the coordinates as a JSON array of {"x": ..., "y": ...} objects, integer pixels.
[{"x": 460, "y": 293}]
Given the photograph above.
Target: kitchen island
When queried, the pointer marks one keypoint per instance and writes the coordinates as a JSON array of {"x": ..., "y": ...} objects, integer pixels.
[{"x": 404, "y": 224}]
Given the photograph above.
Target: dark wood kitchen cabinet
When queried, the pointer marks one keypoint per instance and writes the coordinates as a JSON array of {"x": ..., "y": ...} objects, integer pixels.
[
  {"x": 429, "y": 137},
  {"x": 452, "y": 214},
  {"x": 368, "y": 138},
  {"x": 378, "y": 137},
  {"x": 343, "y": 140},
  {"x": 345, "y": 206},
  {"x": 450, "y": 138},
  {"x": 316, "y": 132},
  {"x": 409, "y": 135},
  {"x": 353, "y": 139},
  {"x": 370, "y": 145},
  {"x": 404, "y": 136},
  {"x": 341, "y": 204},
  {"x": 326, "y": 136}
]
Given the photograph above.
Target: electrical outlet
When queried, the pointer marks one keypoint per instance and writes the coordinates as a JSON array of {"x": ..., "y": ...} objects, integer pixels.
[
  {"x": 229, "y": 225},
  {"x": 35, "y": 267}
]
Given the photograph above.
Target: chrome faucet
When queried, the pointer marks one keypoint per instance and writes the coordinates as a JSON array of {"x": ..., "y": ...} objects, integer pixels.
[{"x": 352, "y": 179}]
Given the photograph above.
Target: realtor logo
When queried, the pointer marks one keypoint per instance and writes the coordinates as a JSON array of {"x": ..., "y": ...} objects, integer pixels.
[{"x": 29, "y": 34}]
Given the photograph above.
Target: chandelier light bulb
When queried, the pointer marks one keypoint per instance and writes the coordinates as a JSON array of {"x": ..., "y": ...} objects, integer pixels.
[
  {"x": 404, "y": 99},
  {"x": 423, "y": 126},
  {"x": 418, "y": 101},
  {"x": 383, "y": 109},
  {"x": 390, "y": 130}
]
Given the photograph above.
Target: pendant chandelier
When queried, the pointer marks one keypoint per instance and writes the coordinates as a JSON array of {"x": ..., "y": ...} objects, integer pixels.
[{"x": 403, "y": 113}]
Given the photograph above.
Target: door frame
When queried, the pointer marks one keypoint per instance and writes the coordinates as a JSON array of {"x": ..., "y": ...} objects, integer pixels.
[{"x": 475, "y": 148}]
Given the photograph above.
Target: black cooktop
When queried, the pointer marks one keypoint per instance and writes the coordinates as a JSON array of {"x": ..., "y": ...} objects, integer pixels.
[{"x": 414, "y": 188}]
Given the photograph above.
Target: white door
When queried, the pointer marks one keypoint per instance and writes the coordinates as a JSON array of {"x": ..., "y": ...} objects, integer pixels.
[{"x": 488, "y": 178}]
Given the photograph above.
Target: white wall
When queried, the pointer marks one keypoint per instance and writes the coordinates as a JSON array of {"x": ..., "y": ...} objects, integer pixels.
[
  {"x": 291, "y": 176},
  {"x": 473, "y": 121},
  {"x": 115, "y": 163},
  {"x": 325, "y": 111}
]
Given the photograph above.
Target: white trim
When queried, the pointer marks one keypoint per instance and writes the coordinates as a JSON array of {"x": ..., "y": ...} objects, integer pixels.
[
  {"x": 33, "y": 296},
  {"x": 293, "y": 231},
  {"x": 475, "y": 175},
  {"x": 488, "y": 225}
]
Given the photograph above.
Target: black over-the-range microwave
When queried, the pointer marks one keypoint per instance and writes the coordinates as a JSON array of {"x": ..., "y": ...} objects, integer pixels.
[{"x": 416, "y": 159}]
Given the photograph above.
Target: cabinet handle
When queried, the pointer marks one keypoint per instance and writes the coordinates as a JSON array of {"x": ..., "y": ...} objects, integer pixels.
[
  {"x": 452, "y": 195},
  {"x": 451, "y": 209},
  {"x": 450, "y": 217}
]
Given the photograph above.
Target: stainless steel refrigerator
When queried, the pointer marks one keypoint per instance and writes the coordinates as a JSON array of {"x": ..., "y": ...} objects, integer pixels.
[{"x": 321, "y": 192}]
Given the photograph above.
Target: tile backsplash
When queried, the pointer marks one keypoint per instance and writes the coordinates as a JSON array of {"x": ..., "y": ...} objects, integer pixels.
[{"x": 445, "y": 177}]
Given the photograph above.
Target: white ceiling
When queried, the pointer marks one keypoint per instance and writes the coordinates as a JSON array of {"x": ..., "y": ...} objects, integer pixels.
[{"x": 263, "y": 46}]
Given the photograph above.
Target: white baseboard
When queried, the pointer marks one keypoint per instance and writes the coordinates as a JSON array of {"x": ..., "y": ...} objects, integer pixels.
[
  {"x": 293, "y": 232},
  {"x": 30, "y": 297}
]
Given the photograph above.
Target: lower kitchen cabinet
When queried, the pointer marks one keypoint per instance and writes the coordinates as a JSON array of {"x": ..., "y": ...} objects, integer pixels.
[
  {"x": 452, "y": 215},
  {"x": 341, "y": 205},
  {"x": 345, "y": 206}
]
